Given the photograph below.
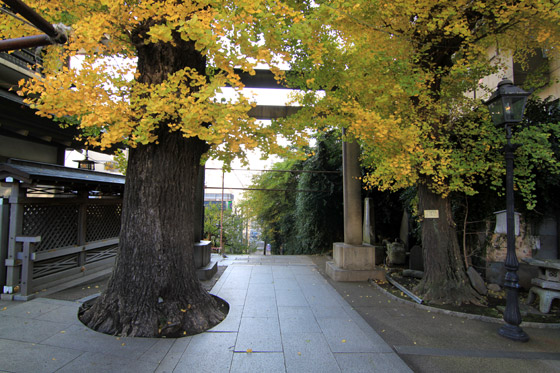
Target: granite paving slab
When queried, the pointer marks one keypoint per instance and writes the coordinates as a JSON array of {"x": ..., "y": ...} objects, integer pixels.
[
  {"x": 16, "y": 356},
  {"x": 297, "y": 319},
  {"x": 234, "y": 296},
  {"x": 174, "y": 355},
  {"x": 290, "y": 297},
  {"x": 259, "y": 289},
  {"x": 80, "y": 337},
  {"x": 208, "y": 352},
  {"x": 271, "y": 362},
  {"x": 260, "y": 307},
  {"x": 308, "y": 352},
  {"x": 95, "y": 362},
  {"x": 28, "y": 329},
  {"x": 259, "y": 334}
]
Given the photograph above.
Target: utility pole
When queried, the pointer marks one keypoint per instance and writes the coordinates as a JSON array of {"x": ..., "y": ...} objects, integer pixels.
[{"x": 222, "y": 218}]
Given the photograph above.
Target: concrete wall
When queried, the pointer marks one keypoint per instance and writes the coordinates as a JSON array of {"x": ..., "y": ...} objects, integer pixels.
[
  {"x": 503, "y": 57},
  {"x": 552, "y": 89},
  {"x": 548, "y": 233}
]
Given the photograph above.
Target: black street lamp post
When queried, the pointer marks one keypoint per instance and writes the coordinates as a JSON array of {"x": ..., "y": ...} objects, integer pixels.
[{"x": 506, "y": 106}]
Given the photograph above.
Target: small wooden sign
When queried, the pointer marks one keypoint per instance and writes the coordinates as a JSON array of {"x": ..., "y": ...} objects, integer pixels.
[{"x": 431, "y": 214}]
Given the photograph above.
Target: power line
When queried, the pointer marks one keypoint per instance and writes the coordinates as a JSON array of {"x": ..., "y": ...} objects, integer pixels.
[
  {"x": 23, "y": 20},
  {"x": 292, "y": 171},
  {"x": 272, "y": 189}
]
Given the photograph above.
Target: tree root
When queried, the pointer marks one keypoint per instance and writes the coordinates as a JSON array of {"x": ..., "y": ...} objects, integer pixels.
[
  {"x": 166, "y": 320},
  {"x": 448, "y": 293}
]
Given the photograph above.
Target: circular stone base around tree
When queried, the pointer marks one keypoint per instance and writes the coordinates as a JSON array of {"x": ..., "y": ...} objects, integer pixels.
[{"x": 223, "y": 306}]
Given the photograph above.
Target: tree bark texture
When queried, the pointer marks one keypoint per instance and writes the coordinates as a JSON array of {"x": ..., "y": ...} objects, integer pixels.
[
  {"x": 154, "y": 290},
  {"x": 445, "y": 279}
]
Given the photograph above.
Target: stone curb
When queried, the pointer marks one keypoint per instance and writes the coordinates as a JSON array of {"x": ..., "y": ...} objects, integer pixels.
[{"x": 469, "y": 316}]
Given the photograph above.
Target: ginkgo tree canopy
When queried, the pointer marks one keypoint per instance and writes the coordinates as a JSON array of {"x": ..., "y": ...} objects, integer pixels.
[{"x": 110, "y": 107}]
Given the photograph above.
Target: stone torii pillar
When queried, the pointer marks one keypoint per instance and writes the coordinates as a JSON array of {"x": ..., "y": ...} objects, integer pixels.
[
  {"x": 352, "y": 191},
  {"x": 353, "y": 260}
]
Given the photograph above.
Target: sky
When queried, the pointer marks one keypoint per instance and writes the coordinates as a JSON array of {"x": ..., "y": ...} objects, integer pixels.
[{"x": 238, "y": 178}]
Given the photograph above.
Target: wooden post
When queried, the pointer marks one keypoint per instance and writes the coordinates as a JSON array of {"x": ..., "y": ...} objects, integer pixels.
[
  {"x": 14, "y": 230},
  {"x": 82, "y": 225},
  {"x": 27, "y": 260},
  {"x": 199, "y": 207},
  {"x": 222, "y": 217},
  {"x": 4, "y": 224}
]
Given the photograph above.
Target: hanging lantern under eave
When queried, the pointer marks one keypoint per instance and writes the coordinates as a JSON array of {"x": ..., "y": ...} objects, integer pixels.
[
  {"x": 507, "y": 103},
  {"x": 86, "y": 164}
]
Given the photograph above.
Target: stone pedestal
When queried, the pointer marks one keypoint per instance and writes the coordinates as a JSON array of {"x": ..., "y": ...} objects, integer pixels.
[
  {"x": 206, "y": 268},
  {"x": 355, "y": 262}
]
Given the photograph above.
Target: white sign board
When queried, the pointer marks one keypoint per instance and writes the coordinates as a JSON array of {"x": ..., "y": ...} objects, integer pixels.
[{"x": 431, "y": 214}]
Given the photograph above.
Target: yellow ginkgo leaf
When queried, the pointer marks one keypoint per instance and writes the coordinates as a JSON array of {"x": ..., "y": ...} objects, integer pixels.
[
  {"x": 249, "y": 350},
  {"x": 344, "y": 341}
]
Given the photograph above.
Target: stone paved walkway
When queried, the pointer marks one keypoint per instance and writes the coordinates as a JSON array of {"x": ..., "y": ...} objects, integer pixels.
[{"x": 284, "y": 317}]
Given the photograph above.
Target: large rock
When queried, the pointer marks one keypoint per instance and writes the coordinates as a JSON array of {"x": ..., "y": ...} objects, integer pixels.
[
  {"x": 413, "y": 273},
  {"x": 396, "y": 253},
  {"x": 476, "y": 281},
  {"x": 416, "y": 259}
]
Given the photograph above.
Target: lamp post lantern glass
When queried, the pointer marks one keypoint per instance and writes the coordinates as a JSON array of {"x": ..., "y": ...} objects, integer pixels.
[
  {"x": 507, "y": 103},
  {"x": 506, "y": 106}
]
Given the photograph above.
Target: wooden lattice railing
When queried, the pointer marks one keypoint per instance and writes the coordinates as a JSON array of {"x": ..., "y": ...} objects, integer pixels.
[{"x": 61, "y": 240}]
